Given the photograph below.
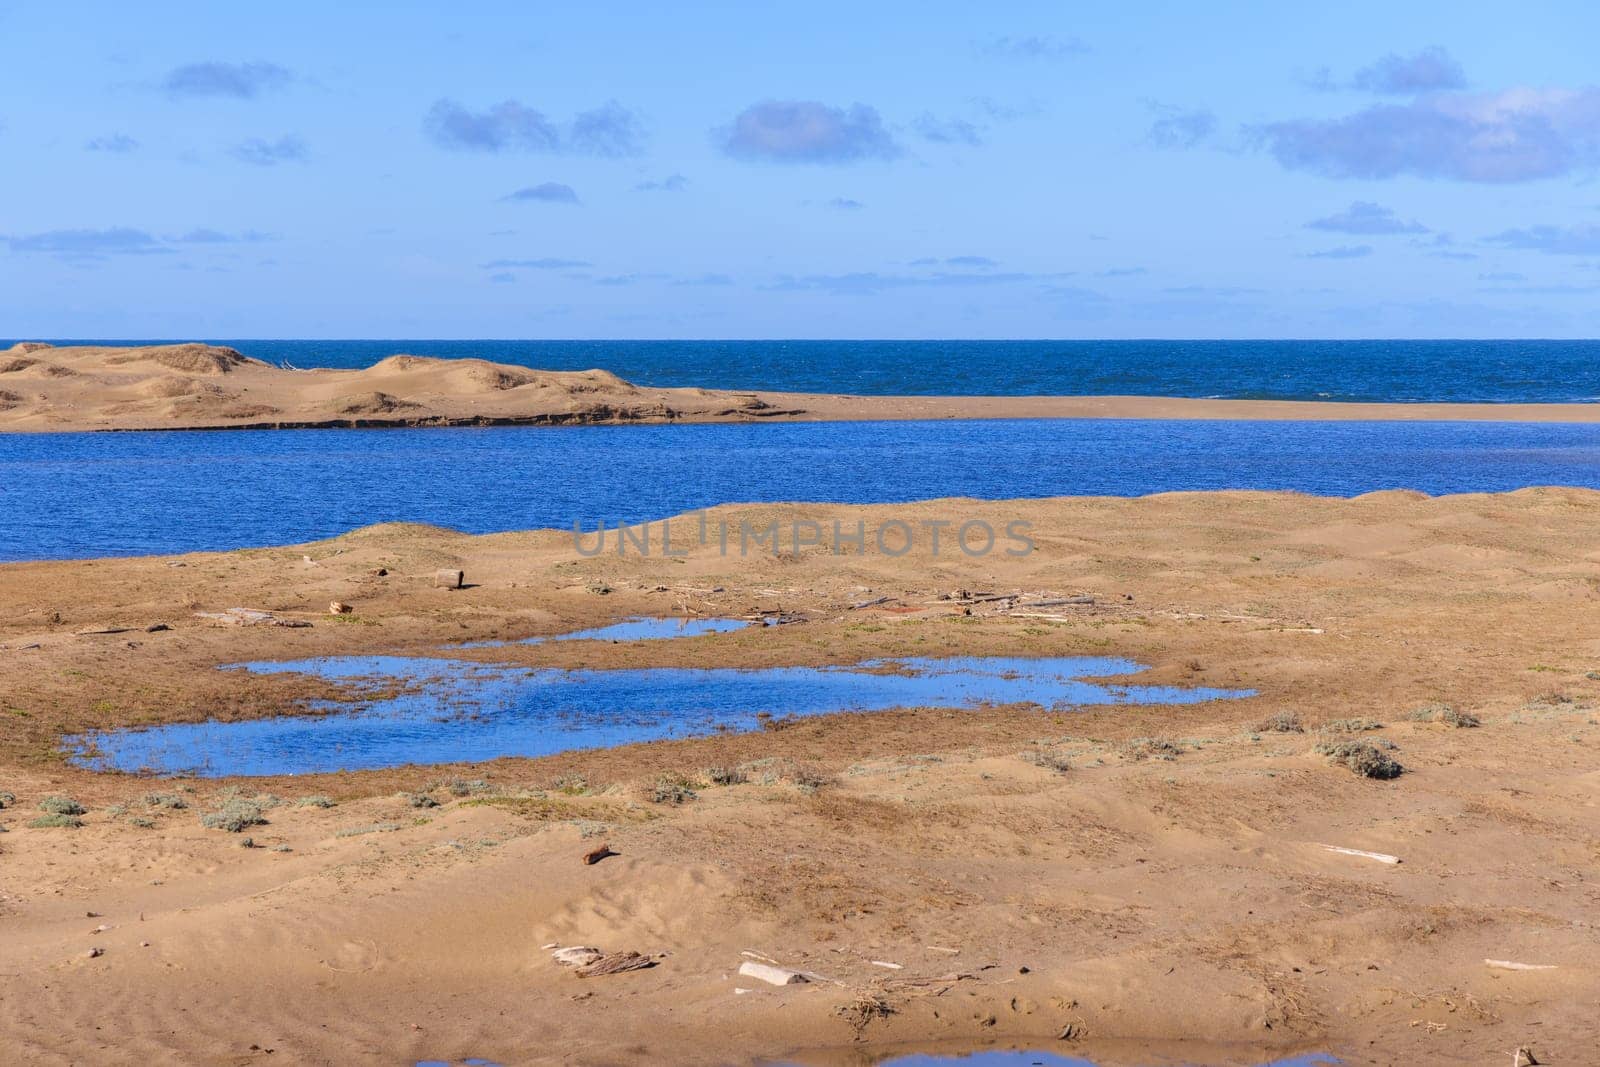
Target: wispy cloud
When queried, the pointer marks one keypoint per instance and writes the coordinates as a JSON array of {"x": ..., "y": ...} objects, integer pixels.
[
  {"x": 1559, "y": 240},
  {"x": 1365, "y": 218},
  {"x": 609, "y": 130},
  {"x": 544, "y": 263},
  {"x": 708, "y": 280},
  {"x": 864, "y": 283},
  {"x": 844, "y": 203},
  {"x": 1176, "y": 127},
  {"x": 1032, "y": 46},
  {"x": 1123, "y": 272},
  {"x": 119, "y": 143},
  {"x": 1426, "y": 71},
  {"x": 947, "y": 131},
  {"x": 241, "y": 81},
  {"x": 114, "y": 241},
  {"x": 205, "y": 236},
  {"x": 546, "y": 192},
  {"x": 1512, "y": 136},
  {"x": 1342, "y": 252},
  {"x": 672, "y": 183},
  {"x": 804, "y": 131},
  {"x": 260, "y": 153}
]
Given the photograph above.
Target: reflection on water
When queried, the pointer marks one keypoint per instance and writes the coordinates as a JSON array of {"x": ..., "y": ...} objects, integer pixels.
[
  {"x": 640, "y": 628},
  {"x": 456, "y": 710}
]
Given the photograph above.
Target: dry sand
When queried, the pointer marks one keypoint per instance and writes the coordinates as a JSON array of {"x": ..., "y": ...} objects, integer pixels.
[
  {"x": 1126, "y": 902},
  {"x": 196, "y": 386}
]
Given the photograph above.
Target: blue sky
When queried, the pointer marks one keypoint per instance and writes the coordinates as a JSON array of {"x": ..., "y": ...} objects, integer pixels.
[{"x": 818, "y": 170}]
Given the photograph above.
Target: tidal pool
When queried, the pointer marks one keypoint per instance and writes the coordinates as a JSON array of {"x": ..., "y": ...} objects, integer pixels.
[{"x": 456, "y": 710}]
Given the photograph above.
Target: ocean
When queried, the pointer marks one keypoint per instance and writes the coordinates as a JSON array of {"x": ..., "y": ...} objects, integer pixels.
[{"x": 1405, "y": 371}]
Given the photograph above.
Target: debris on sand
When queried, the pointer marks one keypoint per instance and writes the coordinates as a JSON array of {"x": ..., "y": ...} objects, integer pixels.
[
  {"x": 1512, "y": 965},
  {"x": 449, "y": 579},
  {"x": 339, "y": 607},
  {"x": 770, "y": 974},
  {"x": 616, "y": 963},
  {"x": 595, "y": 855},
  {"x": 249, "y": 617},
  {"x": 589, "y": 962}
]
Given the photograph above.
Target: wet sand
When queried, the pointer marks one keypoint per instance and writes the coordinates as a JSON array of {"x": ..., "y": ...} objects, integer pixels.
[
  {"x": 195, "y": 386},
  {"x": 1124, "y": 877}
]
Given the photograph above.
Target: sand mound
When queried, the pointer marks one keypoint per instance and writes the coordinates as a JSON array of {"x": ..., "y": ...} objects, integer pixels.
[
  {"x": 29, "y": 346},
  {"x": 478, "y": 376},
  {"x": 374, "y": 403},
  {"x": 9, "y": 399},
  {"x": 55, "y": 370},
  {"x": 12, "y": 366},
  {"x": 189, "y": 358},
  {"x": 169, "y": 386},
  {"x": 405, "y": 363},
  {"x": 594, "y": 381}
]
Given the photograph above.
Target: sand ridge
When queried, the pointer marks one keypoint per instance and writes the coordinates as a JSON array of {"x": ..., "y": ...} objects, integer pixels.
[
  {"x": 1035, "y": 874},
  {"x": 199, "y": 386}
]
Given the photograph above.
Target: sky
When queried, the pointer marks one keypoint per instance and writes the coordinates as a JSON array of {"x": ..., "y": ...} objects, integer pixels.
[{"x": 736, "y": 170}]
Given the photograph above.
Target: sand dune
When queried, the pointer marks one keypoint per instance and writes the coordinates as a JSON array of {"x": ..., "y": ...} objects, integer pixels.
[
  {"x": 197, "y": 386},
  {"x": 1035, "y": 874}
]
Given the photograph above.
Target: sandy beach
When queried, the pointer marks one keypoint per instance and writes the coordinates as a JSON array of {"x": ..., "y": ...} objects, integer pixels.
[
  {"x": 197, "y": 386},
  {"x": 1137, "y": 885}
]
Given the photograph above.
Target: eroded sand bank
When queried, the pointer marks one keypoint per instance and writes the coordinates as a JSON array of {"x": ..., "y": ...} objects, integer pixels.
[
  {"x": 196, "y": 386},
  {"x": 1034, "y": 873}
]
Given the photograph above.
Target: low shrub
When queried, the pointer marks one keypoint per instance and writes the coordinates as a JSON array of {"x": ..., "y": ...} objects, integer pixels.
[
  {"x": 235, "y": 815},
  {"x": 726, "y": 776},
  {"x": 58, "y": 805},
  {"x": 1284, "y": 722},
  {"x": 56, "y": 818},
  {"x": 1363, "y": 758}
]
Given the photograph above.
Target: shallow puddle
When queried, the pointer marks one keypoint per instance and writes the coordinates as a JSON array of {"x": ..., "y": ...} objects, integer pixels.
[
  {"x": 455, "y": 710},
  {"x": 640, "y": 628},
  {"x": 1027, "y": 1058}
]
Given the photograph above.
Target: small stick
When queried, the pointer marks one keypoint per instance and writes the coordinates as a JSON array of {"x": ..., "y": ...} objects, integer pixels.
[{"x": 1381, "y": 857}]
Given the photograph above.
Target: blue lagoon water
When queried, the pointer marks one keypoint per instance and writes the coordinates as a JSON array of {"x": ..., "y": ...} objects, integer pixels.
[
  {"x": 1489, "y": 371},
  {"x": 76, "y": 495},
  {"x": 455, "y": 711}
]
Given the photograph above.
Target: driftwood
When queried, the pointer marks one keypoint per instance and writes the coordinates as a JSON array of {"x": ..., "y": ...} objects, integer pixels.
[
  {"x": 339, "y": 607},
  {"x": 1511, "y": 965},
  {"x": 595, "y": 855},
  {"x": 615, "y": 963},
  {"x": 873, "y": 603},
  {"x": 1381, "y": 857},
  {"x": 449, "y": 579},
  {"x": 249, "y": 617}
]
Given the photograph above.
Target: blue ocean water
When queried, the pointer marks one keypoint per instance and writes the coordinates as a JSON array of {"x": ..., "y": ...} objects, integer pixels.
[
  {"x": 1489, "y": 371},
  {"x": 74, "y": 495},
  {"x": 460, "y": 711}
]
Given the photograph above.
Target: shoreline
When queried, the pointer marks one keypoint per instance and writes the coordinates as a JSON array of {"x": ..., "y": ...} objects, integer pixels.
[
  {"x": 202, "y": 387},
  {"x": 1014, "y": 862}
]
